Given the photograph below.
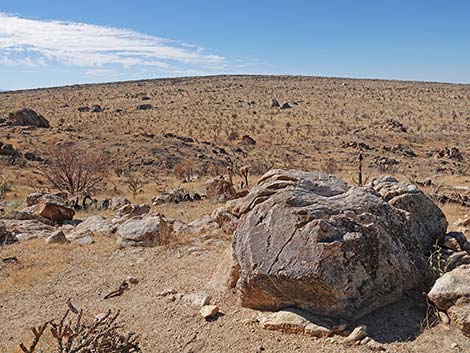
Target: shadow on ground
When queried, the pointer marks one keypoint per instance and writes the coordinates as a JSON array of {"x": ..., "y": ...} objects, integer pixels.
[{"x": 398, "y": 322}]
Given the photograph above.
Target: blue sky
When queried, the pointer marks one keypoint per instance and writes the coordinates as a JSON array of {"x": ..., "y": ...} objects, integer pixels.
[{"x": 52, "y": 42}]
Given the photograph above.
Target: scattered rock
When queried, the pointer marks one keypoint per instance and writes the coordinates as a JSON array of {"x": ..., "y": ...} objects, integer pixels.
[
  {"x": 219, "y": 189},
  {"x": 394, "y": 125},
  {"x": 459, "y": 315},
  {"x": 359, "y": 333},
  {"x": 227, "y": 221},
  {"x": 28, "y": 229},
  {"x": 49, "y": 206},
  {"x": 97, "y": 109},
  {"x": 83, "y": 109},
  {"x": 168, "y": 292},
  {"x": 309, "y": 240},
  {"x": 92, "y": 226},
  {"x": 285, "y": 106},
  {"x": 199, "y": 299},
  {"x": 247, "y": 141},
  {"x": 132, "y": 280},
  {"x": 117, "y": 203},
  {"x": 443, "y": 317},
  {"x": 144, "y": 107},
  {"x": 8, "y": 150},
  {"x": 451, "y": 293},
  {"x": 457, "y": 259},
  {"x": 450, "y": 287},
  {"x": 375, "y": 346},
  {"x": 450, "y": 153},
  {"x": 131, "y": 210},
  {"x": 6, "y": 238},
  {"x": 58, "y": 237},
  {"x": 146, "y": 230},
  {"x": 27, "y": 117},
  {"x": 87, "y": 240},
  {"x": 275, "y": 103},
  {"x": 209, "y": 311},
  {"x": 176, "y": 196},
  {"x": 296, "y": 321}
]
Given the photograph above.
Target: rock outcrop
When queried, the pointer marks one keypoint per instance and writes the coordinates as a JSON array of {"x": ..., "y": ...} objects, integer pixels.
[
  {"x": 311, "y": 241},
  {"x": 27, "y": 117}
]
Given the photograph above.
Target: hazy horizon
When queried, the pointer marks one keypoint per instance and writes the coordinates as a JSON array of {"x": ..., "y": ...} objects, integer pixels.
[{"x": 51, "y": 44}]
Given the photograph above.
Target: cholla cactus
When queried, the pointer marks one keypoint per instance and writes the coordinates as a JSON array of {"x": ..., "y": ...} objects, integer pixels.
[{"x": 72, "y": 335}]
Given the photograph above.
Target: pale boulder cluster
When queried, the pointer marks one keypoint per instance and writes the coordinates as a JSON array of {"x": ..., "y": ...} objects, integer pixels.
[{"x": 48, "y": 216}]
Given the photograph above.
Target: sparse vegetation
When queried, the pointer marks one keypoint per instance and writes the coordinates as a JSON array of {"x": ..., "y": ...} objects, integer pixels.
[
  {"x": 73, "y": 170},
  {"x": 103, "y": 335}
]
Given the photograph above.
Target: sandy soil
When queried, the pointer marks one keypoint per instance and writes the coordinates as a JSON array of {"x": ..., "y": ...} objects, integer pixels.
[{"x": 36, "y": 288}]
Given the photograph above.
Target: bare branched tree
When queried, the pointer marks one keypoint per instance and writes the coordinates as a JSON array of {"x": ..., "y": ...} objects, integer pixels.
[
  {"x": 73, "y": 335},
  {"x": 135, "y": 183},
  {"x": 74, "y": 170}
]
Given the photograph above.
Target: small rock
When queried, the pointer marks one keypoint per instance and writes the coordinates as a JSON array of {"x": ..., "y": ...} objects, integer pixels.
[
  {"x": 167, "y": 292},
  {"x": 197, "y": 299},
  {"x": 209, "y": 311},
  {"x": 132, "y": 280},
  {"x": 100, "y": 316},
  {"x": 444, "y": 318},
  {"x": 57, "y": 237},
  {"x": 85, "y": 241},
  {"x": 358, "y": 334},
  {"x": 375, "y": 346},
  {"x": 454, "y": 346}
]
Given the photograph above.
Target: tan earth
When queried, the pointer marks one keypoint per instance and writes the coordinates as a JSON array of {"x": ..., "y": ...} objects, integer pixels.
[{"x": 327, "y": 117}]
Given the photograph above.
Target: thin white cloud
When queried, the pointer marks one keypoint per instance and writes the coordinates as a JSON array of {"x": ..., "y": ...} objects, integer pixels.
[{"x": 31, "y": 42}]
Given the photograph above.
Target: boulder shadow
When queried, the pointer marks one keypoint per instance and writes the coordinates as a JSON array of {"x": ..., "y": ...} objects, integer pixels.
[{"x": 398, "y": 322}]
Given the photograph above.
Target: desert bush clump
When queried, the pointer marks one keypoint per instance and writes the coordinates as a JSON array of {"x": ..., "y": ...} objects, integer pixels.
[
  {"x": 5, "y": 187},
  {"x": 73, "y": 170},
  {"x": 330, "y": 166},
  {"x": 74, "y": 335},
  {"x": 135, "y": 183}
]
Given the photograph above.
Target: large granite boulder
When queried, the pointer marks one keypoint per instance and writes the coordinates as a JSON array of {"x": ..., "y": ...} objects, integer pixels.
[
  {"x": 145, "y": 230},
  {"x": 309, "y": 240}
]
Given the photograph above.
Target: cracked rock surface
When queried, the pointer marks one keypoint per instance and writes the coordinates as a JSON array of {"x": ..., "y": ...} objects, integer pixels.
[{"x": 309, "y": 240}]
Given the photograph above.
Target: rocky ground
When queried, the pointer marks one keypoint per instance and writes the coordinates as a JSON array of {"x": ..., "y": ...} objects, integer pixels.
[
  {"x": 37, "y": 287},
  {"x": 365, "y": 247}
]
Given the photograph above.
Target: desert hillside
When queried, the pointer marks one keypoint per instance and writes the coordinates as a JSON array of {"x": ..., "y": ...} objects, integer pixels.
[{"x": 181, "y": 164}]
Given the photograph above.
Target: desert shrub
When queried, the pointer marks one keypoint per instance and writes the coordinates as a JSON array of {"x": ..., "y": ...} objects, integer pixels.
[
  {"x": 217, "y": 167},
  {"x": 135, "y": 183},
  {"x": 184, "y": 170},
  {"x": 74, "y": 170},
  {"x": 5, "y": 187},
  {"x": 74, "y": 335},
  {"x": 330, "y": 166}
]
